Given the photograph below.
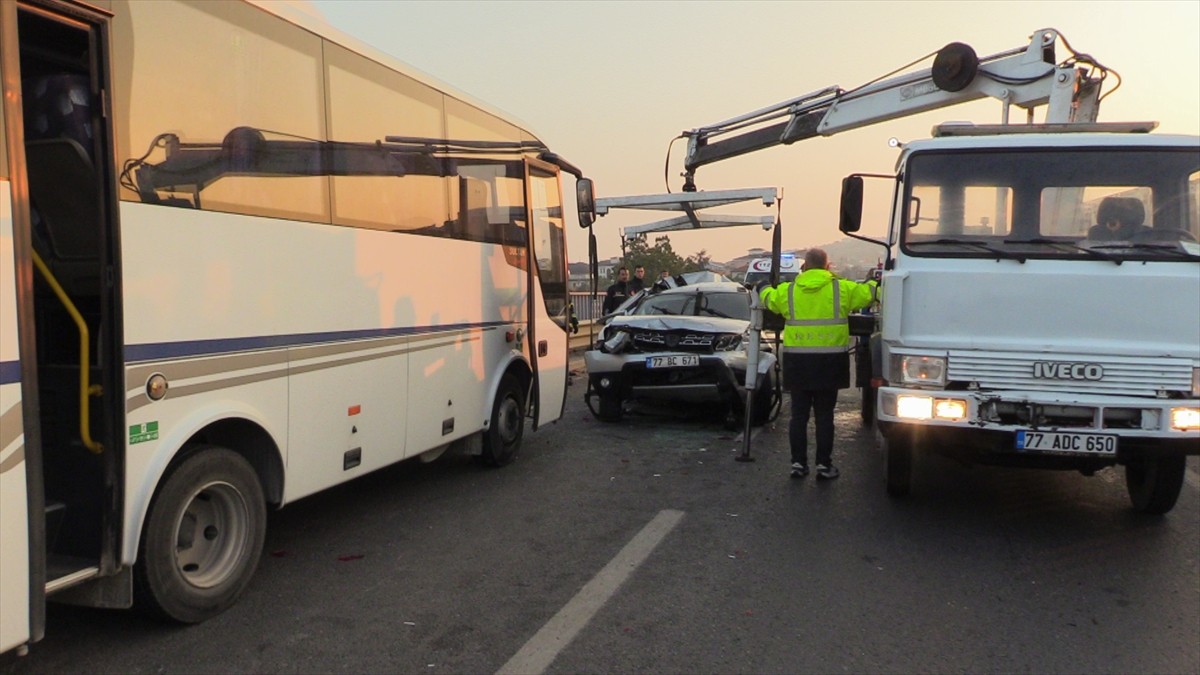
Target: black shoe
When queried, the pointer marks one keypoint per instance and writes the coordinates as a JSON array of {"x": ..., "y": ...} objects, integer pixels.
[
  {"x": 799, "y": 470},
  {"x": 827, "y": 472}
]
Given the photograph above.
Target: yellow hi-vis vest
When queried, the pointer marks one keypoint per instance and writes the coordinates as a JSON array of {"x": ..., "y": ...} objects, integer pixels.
[{"x": 816, "y": 306}]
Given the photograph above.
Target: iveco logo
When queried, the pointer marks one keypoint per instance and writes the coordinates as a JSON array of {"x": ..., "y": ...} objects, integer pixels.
[{"x": 1068, "y": 371}]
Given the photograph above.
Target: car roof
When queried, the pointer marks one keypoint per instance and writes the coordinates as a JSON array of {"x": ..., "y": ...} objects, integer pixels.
[{"x": 707, "y": 287}]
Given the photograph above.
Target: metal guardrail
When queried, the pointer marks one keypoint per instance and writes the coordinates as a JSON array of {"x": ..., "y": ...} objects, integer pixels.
[
  {"x": 582, "y": 340},
  {"x": 587, "y": 309}
]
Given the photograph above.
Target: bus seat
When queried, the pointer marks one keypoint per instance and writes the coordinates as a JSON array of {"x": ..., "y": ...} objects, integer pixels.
[
  {"x": 59, "y": 105},
  {"x": 62, "y": 186}
]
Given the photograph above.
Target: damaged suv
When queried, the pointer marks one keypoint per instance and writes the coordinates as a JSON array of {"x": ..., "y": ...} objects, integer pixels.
[{"x": 680, "y": 344}]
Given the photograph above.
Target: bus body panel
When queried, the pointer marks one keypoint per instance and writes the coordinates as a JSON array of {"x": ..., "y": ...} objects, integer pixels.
[
  {"x": 336, "y": 346},
  {"x": 14, "y": 508}
]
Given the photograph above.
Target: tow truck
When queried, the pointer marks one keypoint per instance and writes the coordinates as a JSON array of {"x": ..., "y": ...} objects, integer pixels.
[{"x": 1041, "y": 279}]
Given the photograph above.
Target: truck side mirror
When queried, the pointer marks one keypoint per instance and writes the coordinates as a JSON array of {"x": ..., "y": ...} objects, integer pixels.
[
  {"x": 585, "y": 199},
  {"x": 850, "y": 219}
]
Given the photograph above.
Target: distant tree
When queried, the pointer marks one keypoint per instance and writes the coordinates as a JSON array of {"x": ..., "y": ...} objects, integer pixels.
[
  {"x": 661, "y": 256},
  {"x": 698, "y": 262}
]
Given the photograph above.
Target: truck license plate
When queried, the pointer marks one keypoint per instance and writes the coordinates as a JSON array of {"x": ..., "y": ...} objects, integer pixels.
[
  {"x": 1075, "y": 444},
  {"x": 673, "y": 361}
]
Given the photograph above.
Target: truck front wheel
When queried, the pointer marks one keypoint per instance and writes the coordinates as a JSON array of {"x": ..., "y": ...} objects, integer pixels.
[
  {"x": 1154, "y": 484},
  {"x": 899, "y": 450}
]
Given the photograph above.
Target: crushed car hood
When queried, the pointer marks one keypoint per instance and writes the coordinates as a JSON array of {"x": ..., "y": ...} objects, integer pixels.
[{"x": 705, "y": 324}]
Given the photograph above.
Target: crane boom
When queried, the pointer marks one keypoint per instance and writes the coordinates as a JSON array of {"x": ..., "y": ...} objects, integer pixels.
[{"x": 1026, "y": 77}]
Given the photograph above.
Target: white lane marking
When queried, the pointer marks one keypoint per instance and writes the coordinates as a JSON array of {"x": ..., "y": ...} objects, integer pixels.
[
  {"x": 542, "y": 648},
  {"x": 1192, "y": 478}
]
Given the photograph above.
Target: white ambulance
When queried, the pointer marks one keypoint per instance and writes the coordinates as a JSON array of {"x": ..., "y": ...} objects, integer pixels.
[{"x": 760, "y": 270}]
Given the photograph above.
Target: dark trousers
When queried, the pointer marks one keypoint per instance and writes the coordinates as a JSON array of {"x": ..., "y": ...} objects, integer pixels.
[{"x": 821, "y": 402}]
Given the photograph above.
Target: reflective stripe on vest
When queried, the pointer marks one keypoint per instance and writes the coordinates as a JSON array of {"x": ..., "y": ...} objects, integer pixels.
[
  {"x": 815, "y": 350},
  {"x": 837, "y": 319}
]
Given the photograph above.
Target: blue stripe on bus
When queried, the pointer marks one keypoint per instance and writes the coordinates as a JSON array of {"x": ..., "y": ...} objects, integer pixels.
[
  {"x": 10, "y": 371},
  {"x": 191, "y": 348}
]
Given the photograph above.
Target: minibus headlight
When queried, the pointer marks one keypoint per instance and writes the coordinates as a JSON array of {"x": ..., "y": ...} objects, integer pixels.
[
  {"x": 920, "y": 370},
  {"x": 1185, "y": 419}
]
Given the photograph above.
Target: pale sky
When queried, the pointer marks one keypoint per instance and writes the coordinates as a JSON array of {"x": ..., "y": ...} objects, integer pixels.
[{"x": 609, "y": 84}]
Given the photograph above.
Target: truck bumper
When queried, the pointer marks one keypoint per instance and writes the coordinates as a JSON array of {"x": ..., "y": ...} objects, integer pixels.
[{"x": 988, "y": 432}]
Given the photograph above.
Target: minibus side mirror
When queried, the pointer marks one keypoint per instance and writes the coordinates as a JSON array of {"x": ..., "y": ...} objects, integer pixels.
[{"x": 585, "y": 199}]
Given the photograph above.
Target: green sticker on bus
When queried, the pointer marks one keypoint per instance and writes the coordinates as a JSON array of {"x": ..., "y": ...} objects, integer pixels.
[{"x": 140, "y": 433}]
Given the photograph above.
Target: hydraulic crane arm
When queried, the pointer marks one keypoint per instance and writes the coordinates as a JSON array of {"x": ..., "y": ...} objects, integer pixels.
[{"x": 1026, "y": 77}]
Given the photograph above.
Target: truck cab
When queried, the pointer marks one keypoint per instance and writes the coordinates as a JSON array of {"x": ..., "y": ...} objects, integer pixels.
[{"x": 1039, "y": 304}]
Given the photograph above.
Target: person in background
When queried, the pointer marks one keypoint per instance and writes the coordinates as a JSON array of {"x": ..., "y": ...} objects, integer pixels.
[
  {"x": 816, "y": 357},
  {"x": 618, "y": 292},
  {"x": 1119, "y": 219},
  {"x": 663, "y": 282},
  {"x": 638, "y": 282}
]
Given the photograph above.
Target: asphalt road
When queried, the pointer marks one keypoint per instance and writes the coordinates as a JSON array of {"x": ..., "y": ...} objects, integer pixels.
[{"x": 643, "y": 547}]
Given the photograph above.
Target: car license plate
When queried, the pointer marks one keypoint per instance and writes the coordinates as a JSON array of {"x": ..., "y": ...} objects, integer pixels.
[
  {"x": 673, "y": 361},
  {"x": 1072, "y": 443}
]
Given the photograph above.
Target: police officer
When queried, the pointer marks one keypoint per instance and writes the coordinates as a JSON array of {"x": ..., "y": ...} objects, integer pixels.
[
  {"x": 816, "y": 342},
  {"x": 618, "y": 292}
]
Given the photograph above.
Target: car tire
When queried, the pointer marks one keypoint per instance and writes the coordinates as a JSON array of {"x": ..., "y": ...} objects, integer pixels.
[
  {"x": 610, "y": 407},
  {"x": 763, "y": 393},
  {"x": 1154, "y": 484}
]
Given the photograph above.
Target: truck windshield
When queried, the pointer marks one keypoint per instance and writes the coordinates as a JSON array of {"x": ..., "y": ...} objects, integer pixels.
[{"x": 1097, "y": 204}]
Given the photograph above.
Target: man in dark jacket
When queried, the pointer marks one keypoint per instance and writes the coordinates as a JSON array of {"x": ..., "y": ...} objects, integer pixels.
[
  {"x": 618, "y": 292},
  {"x": 816, "y": 357},
  {"x": 638, "y": 282}
]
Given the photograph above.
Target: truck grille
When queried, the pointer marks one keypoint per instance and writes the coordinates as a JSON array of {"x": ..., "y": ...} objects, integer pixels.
[{"x": 1118, "y": 375}]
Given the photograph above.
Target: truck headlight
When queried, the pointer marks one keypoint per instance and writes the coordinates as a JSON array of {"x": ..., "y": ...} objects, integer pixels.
[
  {"x": 928, "y": 371},
  {"x": 926, "y": 407},
  {"x": 1195, "y": 381},
  {"x": 1185, "y": 419},
  {"x": 914, "y": 407},
  {"x": 952, "y": 409}
]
